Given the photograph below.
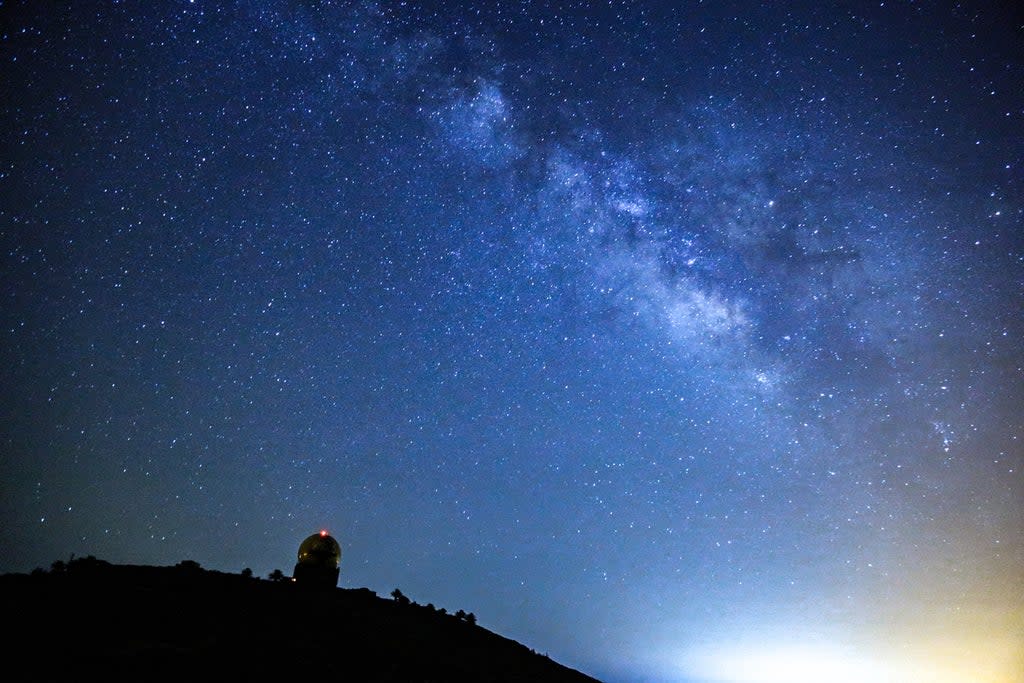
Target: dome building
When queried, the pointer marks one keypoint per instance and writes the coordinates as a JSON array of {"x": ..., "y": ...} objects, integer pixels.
[{"x": 319, "y": 562}]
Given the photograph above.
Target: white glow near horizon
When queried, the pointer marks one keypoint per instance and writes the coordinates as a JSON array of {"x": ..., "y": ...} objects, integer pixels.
[
  {"x": 967, "y": 660},
  {"x": 790, "y": 664}
]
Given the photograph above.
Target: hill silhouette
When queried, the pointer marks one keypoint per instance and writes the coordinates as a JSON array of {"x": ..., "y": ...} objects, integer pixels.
[{"x": 92, "y": 620}]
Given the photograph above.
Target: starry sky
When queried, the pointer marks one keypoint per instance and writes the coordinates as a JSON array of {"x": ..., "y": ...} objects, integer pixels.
[{"x": 678, "y": 341}]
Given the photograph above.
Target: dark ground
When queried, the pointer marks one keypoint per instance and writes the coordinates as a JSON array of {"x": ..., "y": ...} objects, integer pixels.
[{"x": 97, "y": 621}]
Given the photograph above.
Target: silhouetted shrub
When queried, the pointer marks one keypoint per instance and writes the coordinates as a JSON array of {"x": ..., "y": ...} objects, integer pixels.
[
  {"x": 85, "y": 565},
  {"x": 276, "y": 576},
  {"x": 247, "y": 573}
]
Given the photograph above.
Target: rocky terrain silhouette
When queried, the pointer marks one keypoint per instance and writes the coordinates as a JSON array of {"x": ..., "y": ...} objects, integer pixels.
[{"x": 92, "y": 620}]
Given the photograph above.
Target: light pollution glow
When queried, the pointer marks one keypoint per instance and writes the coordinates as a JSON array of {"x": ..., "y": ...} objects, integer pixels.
[{"x": 979, "y": 646}]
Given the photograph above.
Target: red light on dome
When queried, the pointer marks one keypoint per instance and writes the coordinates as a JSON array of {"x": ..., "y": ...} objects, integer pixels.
[{"x": 323, "y": 532}]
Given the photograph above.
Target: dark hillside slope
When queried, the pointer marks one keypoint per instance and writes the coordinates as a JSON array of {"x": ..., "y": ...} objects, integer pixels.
[{"x": 96, "y": 621}]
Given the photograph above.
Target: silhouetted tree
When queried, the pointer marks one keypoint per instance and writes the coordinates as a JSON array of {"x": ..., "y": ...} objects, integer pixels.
[
  {"x": 460, "y": 615},
  {"x": 276, "y": 576},
  {"x": 87, "y": 564},
  {"x": 58, "y": 567},
  {"x": 399, "y": 597},
  {"x": 247, "y": 573},
  {"x": 471, "y": 619}
]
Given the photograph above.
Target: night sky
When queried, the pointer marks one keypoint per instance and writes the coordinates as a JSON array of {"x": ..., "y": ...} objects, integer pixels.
[{"x": 679, "y": 341}]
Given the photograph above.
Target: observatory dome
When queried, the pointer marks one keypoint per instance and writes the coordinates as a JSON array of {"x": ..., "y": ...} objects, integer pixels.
[{"x": 320, "y": 550}]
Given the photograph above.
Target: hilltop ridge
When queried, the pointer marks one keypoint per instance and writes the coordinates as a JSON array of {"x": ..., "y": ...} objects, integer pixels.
[{"x": 128, "y": 622}]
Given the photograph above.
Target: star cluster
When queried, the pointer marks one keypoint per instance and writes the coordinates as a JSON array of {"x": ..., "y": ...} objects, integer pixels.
[{"x": 680, "y": 342}]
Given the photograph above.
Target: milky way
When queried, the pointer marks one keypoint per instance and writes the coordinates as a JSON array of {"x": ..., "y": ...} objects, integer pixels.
[{"x": 680, "y": 343}]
